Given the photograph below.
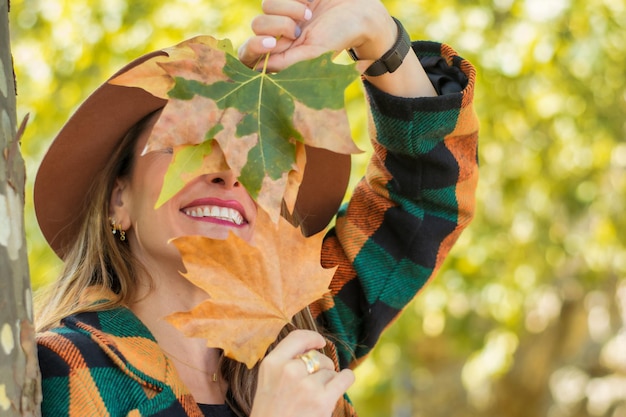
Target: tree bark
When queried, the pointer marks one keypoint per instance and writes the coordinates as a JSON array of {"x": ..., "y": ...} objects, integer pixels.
[{"x": 20, "y": 392}]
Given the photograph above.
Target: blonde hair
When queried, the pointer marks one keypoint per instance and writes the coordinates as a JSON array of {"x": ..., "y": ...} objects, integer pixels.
[{"x": 97, "y": 260}]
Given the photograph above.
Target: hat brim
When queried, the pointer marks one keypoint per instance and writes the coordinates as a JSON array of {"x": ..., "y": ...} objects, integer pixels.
[{"x": 86, "y": 142}]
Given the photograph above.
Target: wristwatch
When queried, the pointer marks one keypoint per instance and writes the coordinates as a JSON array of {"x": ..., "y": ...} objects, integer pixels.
[{"x": 393, "y": 58}]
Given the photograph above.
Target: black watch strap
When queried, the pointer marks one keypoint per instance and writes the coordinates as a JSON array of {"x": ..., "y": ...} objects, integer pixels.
[{"x": 393, "y": 58}]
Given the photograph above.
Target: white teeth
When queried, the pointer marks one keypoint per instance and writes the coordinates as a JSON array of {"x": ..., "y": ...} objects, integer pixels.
[
  {"x": 223, "y": 213},
  {"x": 236, "y": 216}
]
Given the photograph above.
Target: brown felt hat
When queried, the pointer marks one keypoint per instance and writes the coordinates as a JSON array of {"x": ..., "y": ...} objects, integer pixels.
[{"x": 87, "y": 141}]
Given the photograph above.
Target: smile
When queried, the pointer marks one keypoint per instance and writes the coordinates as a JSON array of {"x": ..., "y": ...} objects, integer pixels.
[{"x": 216, "y": 212}]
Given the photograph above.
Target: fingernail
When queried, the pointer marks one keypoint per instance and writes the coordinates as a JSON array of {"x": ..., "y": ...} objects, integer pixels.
[
  {"x": 308, "y": 14},
  {"x": 269, "y": 42},
  {"x": 298, "y": 31}
]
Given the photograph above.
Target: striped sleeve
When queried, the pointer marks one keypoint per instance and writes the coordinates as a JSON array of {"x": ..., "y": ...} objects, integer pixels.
[{"x": 409, "y": 209}]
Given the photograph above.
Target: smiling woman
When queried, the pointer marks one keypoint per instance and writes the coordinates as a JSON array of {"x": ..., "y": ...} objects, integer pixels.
[
  {"x": 102, "y": 323},
  {"x": 134, "y": 197}
]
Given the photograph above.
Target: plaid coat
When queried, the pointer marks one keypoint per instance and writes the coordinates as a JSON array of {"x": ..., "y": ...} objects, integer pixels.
[{"x": 389, "y": 240}]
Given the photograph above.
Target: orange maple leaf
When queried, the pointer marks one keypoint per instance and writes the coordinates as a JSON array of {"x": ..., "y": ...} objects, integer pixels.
[{"x": 255, "y": 289}]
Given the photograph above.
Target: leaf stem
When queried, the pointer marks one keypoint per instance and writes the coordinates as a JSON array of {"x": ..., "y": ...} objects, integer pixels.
[{"x": 267, "y": 57}]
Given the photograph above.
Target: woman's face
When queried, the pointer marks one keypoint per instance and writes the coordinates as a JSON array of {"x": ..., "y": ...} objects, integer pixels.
[{"x": 211, "y": 205}]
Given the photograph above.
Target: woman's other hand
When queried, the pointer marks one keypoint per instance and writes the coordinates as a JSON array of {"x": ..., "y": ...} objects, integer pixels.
[
  {"x": 285, "y": 386},
  {"x": 296, "y": 30}
]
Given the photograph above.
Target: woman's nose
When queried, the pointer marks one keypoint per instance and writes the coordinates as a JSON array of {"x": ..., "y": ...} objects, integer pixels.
[{"x": 225, "y": 178}]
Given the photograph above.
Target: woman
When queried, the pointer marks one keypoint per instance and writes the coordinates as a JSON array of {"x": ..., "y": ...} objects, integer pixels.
[{"x": 104, "y": 348}]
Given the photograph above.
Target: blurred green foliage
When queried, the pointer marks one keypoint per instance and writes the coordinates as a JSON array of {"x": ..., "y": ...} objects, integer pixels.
[{"x": 528, "y": 315}]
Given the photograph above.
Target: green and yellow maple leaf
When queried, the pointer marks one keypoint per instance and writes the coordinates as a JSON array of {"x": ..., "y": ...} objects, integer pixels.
[{"x": 257, "y": 118}]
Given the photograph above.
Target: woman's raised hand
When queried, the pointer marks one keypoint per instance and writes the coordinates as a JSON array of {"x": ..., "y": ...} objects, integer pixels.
[
  {"x": 295, "y": 30},
  {"x": 290, "y": 385}
]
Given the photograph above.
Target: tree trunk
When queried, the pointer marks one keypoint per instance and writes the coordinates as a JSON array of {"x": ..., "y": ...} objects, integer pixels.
[{"x": 20, "y": 393}]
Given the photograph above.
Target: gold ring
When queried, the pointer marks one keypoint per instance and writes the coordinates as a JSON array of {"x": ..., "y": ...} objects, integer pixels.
[{"x": 311, "y": 361}]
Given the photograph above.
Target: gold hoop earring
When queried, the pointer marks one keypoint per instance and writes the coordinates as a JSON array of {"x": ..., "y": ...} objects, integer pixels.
[{"x": 115, "y": 228}]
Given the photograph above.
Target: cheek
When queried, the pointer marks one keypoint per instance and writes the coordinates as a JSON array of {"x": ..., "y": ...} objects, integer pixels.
[
  {"x": 253, "y": 211},
  {"x": 149, "y": 181}
]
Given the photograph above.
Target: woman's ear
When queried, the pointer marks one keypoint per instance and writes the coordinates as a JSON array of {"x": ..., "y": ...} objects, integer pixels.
[{"x": 119, "y": 204}]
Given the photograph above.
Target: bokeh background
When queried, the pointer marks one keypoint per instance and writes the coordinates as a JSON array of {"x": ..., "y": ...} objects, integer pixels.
[{"x": 528, "y": 316}]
